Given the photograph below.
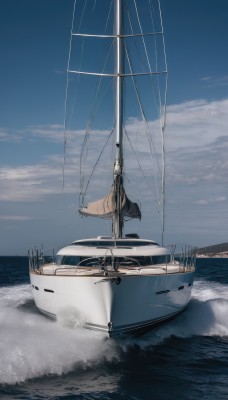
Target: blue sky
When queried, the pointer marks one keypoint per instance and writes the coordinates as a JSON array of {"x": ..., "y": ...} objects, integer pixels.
[{"x": 34, "y": 40}]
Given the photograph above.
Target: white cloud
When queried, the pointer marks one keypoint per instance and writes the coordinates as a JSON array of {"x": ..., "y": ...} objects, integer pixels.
[
  {"x": 197, "y": 142},
  {"x": 203, "y": 202},
  {"x": 52, "y": 132},
  {"x": 197, "y": 169},
  {"x": 196, "y": 153},
  {"x": 28, "y": 183},
  {"x": 196, "y": 123},
  {"x": 9, "y": 136},
  {"x": 215, "y": 81}
]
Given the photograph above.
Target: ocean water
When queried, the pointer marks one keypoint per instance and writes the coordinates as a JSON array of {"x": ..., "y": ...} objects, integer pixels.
[{"x": 186, "y": 358}]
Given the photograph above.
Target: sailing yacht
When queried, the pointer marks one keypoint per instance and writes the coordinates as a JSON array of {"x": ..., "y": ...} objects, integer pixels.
[{"x": 117, "y": 283}]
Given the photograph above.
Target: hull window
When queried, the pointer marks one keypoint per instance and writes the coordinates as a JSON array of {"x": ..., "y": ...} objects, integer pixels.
[{"x": 163, "y": 291}]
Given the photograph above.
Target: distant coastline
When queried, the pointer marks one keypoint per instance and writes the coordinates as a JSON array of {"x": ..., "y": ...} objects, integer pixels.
[
  {"x": 214, "y": 251},
  {"x": 219, "y": 255}
]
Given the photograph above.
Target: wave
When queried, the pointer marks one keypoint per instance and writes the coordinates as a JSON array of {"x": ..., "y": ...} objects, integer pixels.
[{"x": 33, "y": 346}]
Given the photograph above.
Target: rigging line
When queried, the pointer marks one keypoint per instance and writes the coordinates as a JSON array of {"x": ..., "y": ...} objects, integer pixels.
[
  {"x": 150, "y": 141},
  {"x": 163, "y": 184},
  {"x": 84, "y": 141},
  {"x": 164, "y": 47},
  {"x": 160, "y": 113},
  {"x": 159, "y": 96},
  {"x": 90, "y": 121},
  {"x": 148, "y": 61},
  {"x": 140, "y": 105},
  {"x": 138, "y": 162},
  {"x": 162, "y": 108},
  {"x": 108, "y": 17},
  {"x": 94, "y": 5},
  {"x": 82, "y": 195},
  {"x": 79, "y": 27},
  {"x": 166, "y": 67},
  {"x": 158, "y": 109},
  {"x": 132, "y": 31},
  {"x": 144, "y": 44},
  {"x": 143, "y": 115},
  {"x": 82, "y": 16},
  {"x": 77, "y": 87},
  {"x": 69, "y": 58},
  {"x": 97, "y": 91},
  {"x": 137, "y": 49},
  {"x": 66, "y": 99},
  {"x": 163, "y": 133},
  {"x": 78, "y": 79},
  {"x": 115, "y": 36},
  {"x": 152, "y": 148},
  {"x": 95, "y": 165},
  {"x": 141, "y": 169},
  {"x": 115, "y": 75},
  {"x": 156, "y": 62}
]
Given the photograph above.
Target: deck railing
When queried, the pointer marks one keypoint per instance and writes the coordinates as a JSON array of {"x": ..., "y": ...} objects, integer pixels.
[
  {"x": 39, "y": 257},
  {"x": 184, "y": 256}
]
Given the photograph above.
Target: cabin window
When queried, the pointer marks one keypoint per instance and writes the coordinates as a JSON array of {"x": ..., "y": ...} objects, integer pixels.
[
  {"x": 160, "y": 259},
  {"x": 92, "y": 261},
  {"x": 144, "y": 261},
  {"x": 109, "y": 243},
  {"x": 78, "y": 260}
]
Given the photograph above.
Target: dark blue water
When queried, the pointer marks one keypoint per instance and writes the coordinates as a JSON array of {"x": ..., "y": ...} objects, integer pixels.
[{"x": 185, "y": 359}]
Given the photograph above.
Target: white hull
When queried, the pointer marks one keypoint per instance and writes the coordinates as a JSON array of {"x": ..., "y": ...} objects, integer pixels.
[{"x": 113, "y": 305}]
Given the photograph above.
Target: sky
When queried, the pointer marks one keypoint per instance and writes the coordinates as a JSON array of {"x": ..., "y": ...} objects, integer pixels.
[{"x": 34, "y": 42}]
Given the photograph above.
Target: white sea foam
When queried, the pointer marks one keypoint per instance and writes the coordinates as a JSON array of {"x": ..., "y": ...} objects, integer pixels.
[
  {"x": 206, "y": 315},
  {"x": 33, "y": 346}
]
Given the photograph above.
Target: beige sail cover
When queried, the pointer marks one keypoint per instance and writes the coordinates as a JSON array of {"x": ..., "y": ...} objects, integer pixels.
[{"x": 105, "y": 207}]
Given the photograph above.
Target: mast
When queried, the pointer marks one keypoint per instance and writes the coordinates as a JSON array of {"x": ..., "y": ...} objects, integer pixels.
[{"x": 117, "y": 222}]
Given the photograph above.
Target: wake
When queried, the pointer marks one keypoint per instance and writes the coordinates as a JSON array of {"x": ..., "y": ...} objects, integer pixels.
[{"x": 34, "y": 346}]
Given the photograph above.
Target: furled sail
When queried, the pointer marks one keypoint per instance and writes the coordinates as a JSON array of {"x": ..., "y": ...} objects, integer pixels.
[{"x": 105, "y": 207}]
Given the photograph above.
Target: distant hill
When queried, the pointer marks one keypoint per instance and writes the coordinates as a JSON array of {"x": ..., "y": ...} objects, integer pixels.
[{"x": 213, "y": 250}]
